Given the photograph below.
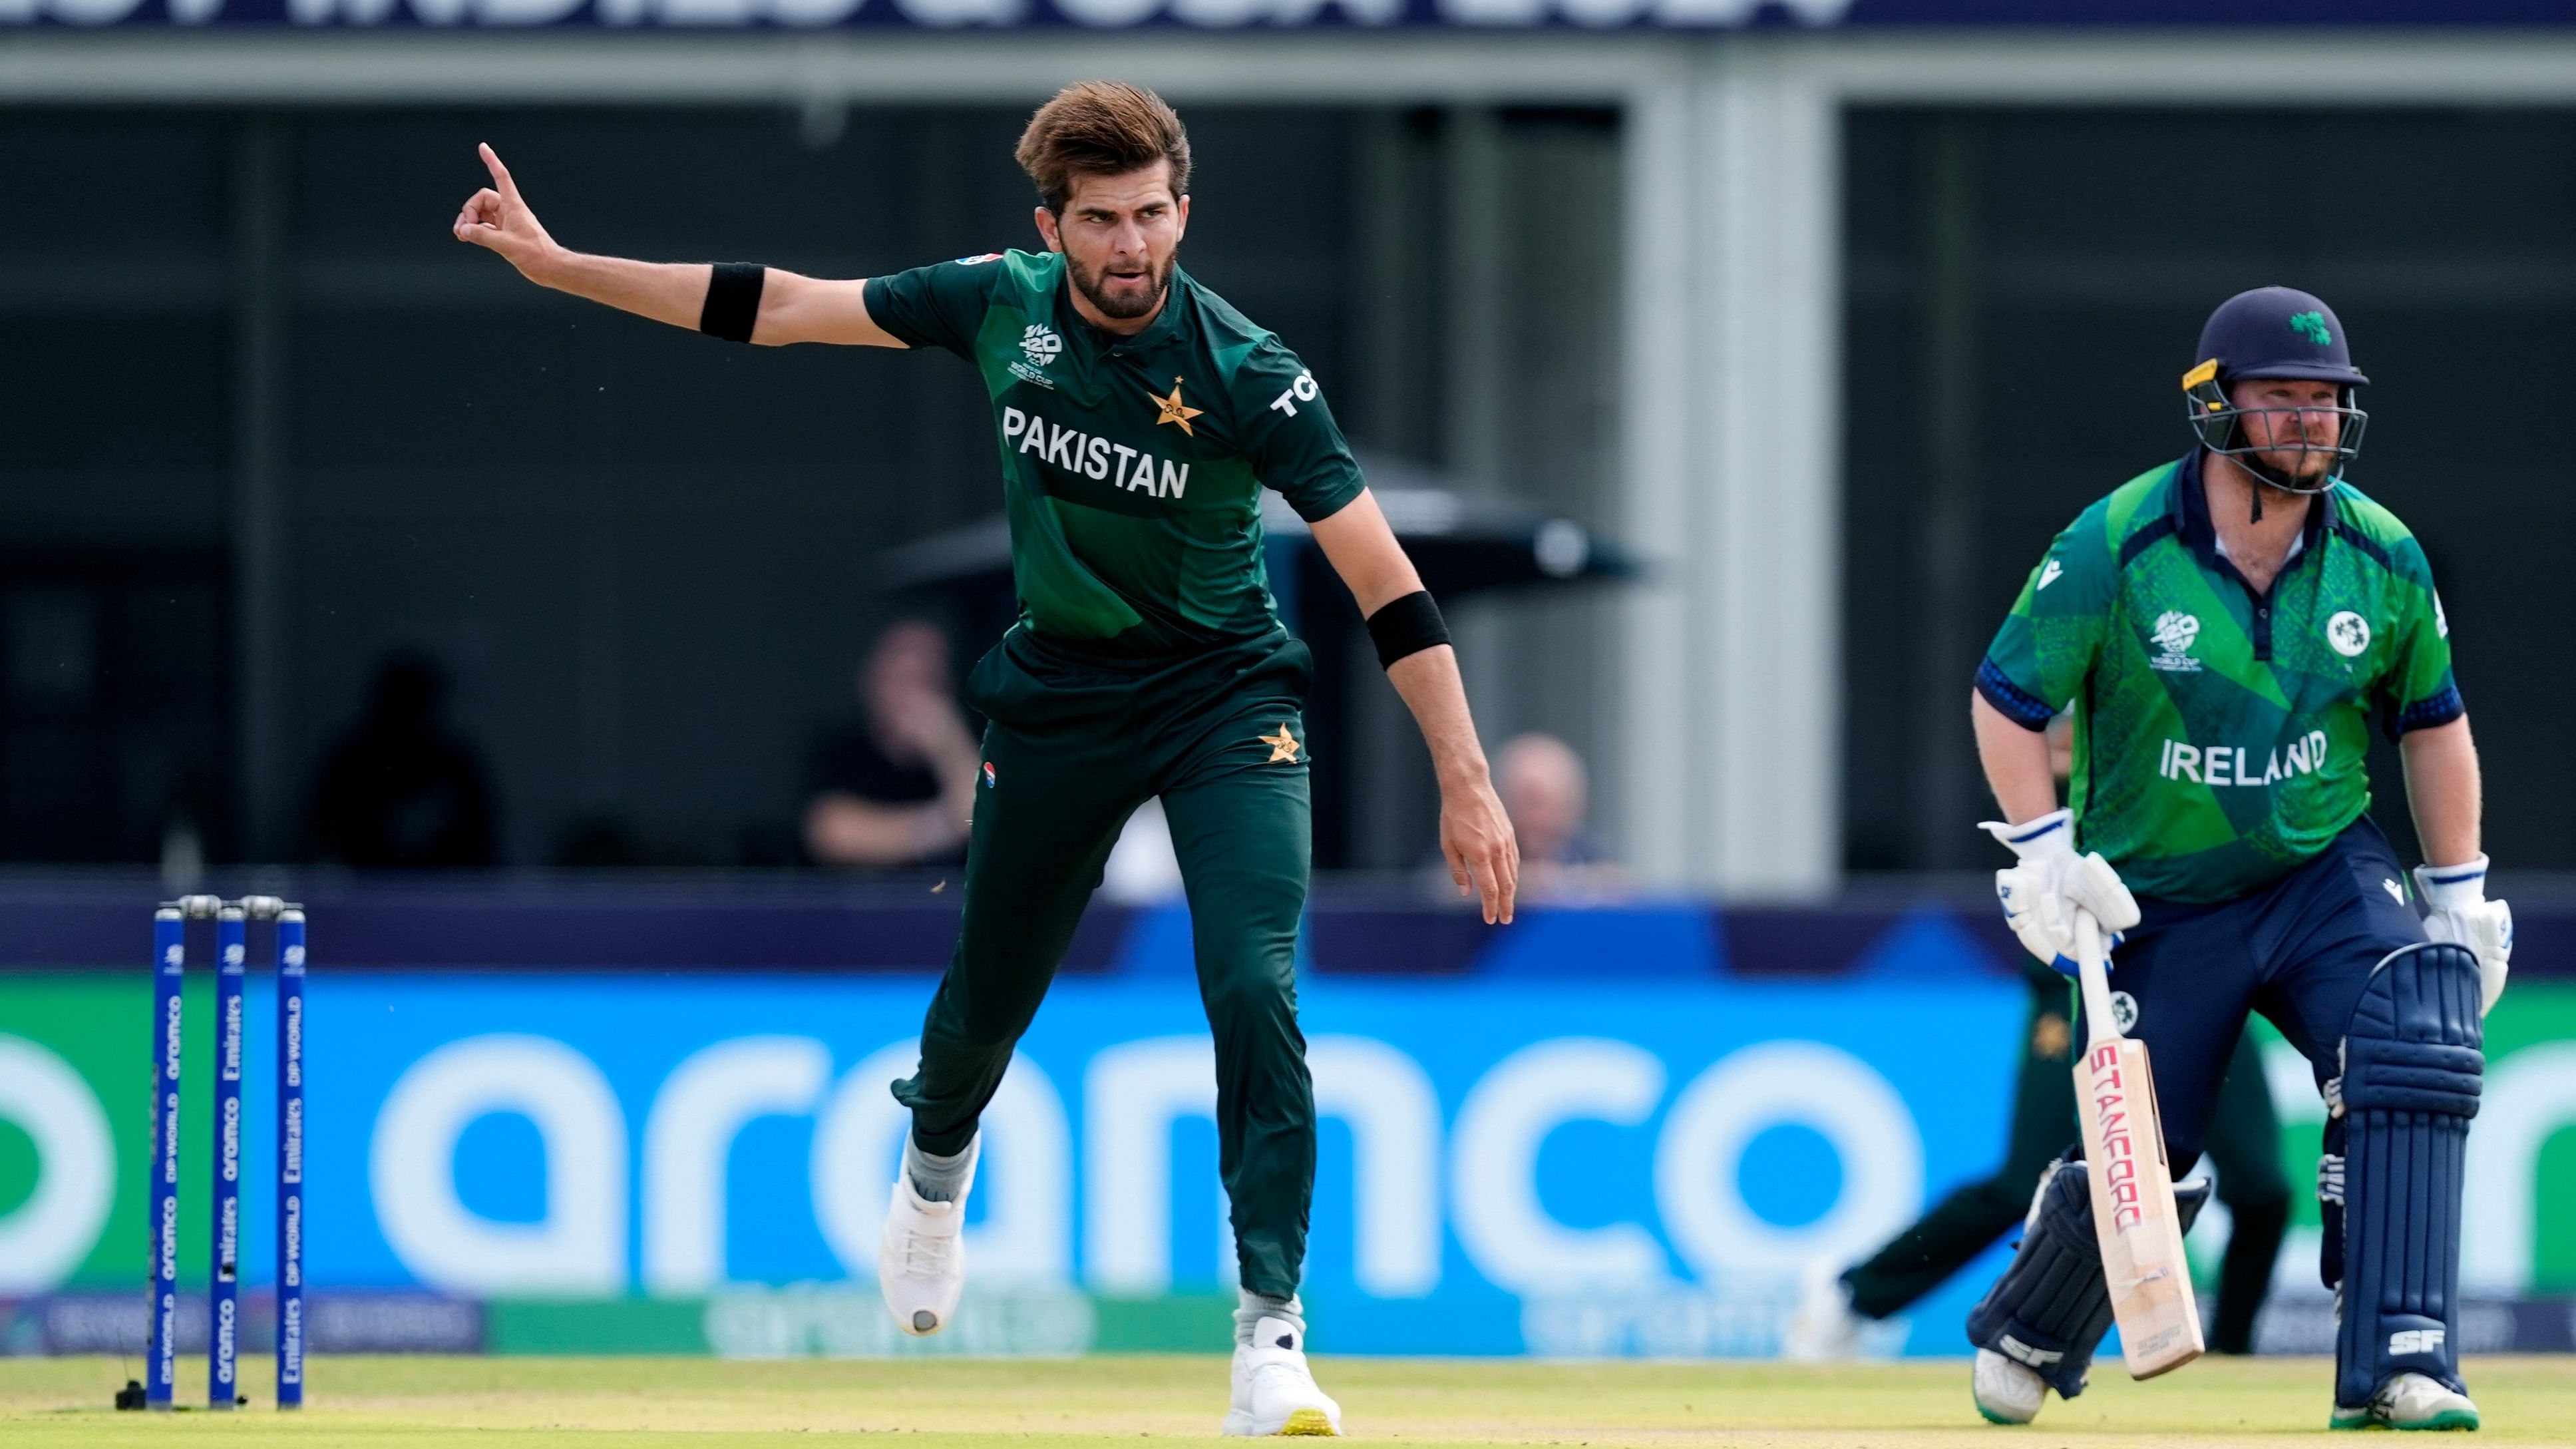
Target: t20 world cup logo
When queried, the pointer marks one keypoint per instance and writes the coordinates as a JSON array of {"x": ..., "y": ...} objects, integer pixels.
[{"x": 2173, "y": 635}]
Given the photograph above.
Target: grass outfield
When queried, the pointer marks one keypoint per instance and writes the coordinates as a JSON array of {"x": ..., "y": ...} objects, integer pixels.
[{"x": 523, "y": 1403}]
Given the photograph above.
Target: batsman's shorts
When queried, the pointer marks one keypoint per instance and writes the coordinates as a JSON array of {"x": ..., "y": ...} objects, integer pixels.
[{"x": 2299, "y": 951}]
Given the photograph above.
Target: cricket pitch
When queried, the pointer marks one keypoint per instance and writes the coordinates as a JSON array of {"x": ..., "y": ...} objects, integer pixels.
[{"x": 532, "y": 1403}]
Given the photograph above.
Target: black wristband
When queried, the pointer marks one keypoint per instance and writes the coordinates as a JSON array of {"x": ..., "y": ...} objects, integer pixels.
[
  {"x": 733, "y": 301},
  {"x": 1405, "y": 626}
]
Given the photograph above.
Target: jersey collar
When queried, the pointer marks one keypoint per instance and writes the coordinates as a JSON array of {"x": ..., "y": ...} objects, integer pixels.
[{"x": 2193, "y": 526}]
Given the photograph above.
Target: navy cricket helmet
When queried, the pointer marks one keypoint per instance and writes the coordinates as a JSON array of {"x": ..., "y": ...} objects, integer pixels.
[{"x": 2275, "y": 332}]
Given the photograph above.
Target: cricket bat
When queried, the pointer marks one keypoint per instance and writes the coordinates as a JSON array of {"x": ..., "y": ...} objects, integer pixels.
[{"x": 2133, "y": 1199}]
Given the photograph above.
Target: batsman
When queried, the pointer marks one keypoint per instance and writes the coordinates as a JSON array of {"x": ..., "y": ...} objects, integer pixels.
[
  {"x": 1137, "y": 419},
  {"x": 2228, "y": 628}
]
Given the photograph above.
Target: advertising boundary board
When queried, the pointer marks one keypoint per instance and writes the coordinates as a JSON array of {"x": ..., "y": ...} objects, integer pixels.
[{"x": 1412, "y": 1095}]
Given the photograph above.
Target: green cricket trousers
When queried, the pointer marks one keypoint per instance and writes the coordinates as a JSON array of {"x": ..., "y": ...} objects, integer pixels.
[{"x": 1074, "y": 743}]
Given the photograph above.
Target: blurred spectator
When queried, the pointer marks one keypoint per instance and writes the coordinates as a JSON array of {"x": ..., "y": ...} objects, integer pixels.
[
  {"x": 895, "y": 787},
  {"x": 402, "y": 790},
  {"x": 1548, "y": 794}
]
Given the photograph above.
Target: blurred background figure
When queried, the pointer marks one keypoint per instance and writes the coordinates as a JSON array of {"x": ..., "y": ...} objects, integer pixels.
[
  {"x": 1548, "y": 794},
  {"x": 403, "y": 789},
  {"x": 894, "y": 787}
]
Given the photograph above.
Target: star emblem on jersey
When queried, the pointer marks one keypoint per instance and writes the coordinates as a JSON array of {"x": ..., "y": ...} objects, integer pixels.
[
  {"x": 1283, "y": 746},
  {"x": 1176, "y": 411},
  {"x": 2349, "y": 633}
]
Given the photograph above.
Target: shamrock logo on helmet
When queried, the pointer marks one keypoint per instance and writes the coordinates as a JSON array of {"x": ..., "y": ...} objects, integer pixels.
[{"x": 2312, "y": 326}]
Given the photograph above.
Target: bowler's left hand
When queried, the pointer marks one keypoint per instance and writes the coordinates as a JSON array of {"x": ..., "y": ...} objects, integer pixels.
[{"x": 1484, "y": 855}]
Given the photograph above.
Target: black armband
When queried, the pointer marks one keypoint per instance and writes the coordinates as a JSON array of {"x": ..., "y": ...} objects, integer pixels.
[
  {"x": 733, "y": 301},
  {"x": 1405, "y": 626}
]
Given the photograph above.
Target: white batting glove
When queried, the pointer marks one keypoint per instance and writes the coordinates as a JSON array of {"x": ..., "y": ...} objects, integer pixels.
[
  {"x": 2458, "y": 911},
  {"x": 2040, "y": 895}
]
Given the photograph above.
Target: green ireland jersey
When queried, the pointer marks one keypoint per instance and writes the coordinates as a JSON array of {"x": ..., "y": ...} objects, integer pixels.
[
  {"x": 2219, "y": 733},
  {"x": 1132, "y": 467}
]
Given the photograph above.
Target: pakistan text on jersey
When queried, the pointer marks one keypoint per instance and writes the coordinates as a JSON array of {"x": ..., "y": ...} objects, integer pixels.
[
  {"x": 1080, "y": 452},
  {"x": 2227, "y": 764}
]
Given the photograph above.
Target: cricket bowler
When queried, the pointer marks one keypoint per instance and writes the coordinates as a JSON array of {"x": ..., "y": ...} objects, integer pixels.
[
  {"x": 1138, "y": 418},
  {"x": 2227, "y": 628}
]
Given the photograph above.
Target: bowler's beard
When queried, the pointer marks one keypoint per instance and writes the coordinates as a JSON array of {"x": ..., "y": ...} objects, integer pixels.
[{"x": 1122, "y": 308}]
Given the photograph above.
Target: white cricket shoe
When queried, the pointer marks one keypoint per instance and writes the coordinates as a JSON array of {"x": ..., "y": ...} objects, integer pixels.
[
  {"x": 921, "y": 1260},
  {"x": 2410, "y": 1401},
  {"x": 1823, "y": 1329},
  {"x": 2006, "y": 1392},
  {"x": 1274, "y": 1391}
]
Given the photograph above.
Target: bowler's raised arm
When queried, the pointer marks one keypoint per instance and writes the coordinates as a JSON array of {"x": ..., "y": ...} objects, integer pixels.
[{"x": 765, "y": 305}]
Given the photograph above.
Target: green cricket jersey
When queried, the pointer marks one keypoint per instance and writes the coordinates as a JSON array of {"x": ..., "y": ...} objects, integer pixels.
[
  {"x": 1132, "y": 467},
  {"x": 2218, "y": 733}
]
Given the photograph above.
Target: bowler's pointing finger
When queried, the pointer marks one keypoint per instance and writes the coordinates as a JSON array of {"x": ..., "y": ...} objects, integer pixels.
[{"x": 500, "y": 173}]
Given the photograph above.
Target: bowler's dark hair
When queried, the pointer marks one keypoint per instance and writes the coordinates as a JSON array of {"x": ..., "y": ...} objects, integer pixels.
[{"x": 1101, "y": 128}]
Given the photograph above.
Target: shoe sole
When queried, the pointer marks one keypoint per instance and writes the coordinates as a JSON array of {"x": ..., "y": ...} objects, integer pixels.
[
  {"x": 2458, "y": 1420},
  {"x": 1991, "y": 1417},
  {"x": 1302, "y": 1423}
]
